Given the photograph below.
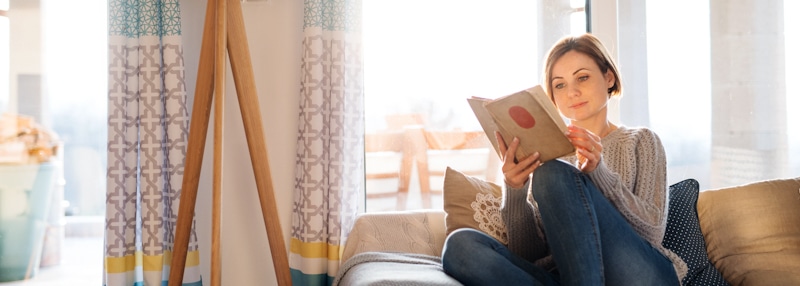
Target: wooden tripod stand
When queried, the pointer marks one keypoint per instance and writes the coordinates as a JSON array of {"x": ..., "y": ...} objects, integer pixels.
[{"x": 224, "y": 28}]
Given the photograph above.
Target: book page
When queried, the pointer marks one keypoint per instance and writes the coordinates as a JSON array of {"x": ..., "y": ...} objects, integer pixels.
[
  {"x": 541, "y": 96},
  {"x": 486, "y": 120},
  {"x": 522, "y": 115}
]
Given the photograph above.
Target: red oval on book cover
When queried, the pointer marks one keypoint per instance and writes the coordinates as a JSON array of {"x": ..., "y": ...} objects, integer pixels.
[{"x": 522, "y": 117}]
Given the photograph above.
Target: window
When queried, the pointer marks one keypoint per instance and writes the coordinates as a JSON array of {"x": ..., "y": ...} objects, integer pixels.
[
  {"x": 719, "y": 98},
  {"x": 53, "y": 70},
  {"x": 57, "y": 75},
  {"x": 4, "y": 53},
  {"x": 76, "y": 91},
  {"x": 422, "y": 60},
  {"x": 719, "y": 94}
]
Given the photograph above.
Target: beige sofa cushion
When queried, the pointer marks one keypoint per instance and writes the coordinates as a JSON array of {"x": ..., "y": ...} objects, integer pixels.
[
  {"x": 752, "y": 231},
  {"x": 420, "y": 232},
  {"x": 471, "y": 202}
]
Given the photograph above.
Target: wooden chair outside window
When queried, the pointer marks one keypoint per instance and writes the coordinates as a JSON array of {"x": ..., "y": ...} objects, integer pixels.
[
  {"x": 392, "y": 155},
  {"x": 469, "y": 152}
]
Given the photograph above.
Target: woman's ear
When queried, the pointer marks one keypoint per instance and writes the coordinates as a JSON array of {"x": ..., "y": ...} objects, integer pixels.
[{"x": 610, "y": 79}]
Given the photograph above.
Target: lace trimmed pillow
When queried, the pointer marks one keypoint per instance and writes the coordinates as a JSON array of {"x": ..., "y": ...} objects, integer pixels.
[{"x": 474, "y": 203}]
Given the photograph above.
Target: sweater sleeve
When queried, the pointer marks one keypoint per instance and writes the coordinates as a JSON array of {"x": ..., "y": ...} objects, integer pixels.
[
  {"x": 525, "y": 238},
  {"x": 638, "y": 188}
]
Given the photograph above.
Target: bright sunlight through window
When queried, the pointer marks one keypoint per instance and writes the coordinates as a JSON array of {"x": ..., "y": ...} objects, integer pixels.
[{"x": 429, "y": 56}]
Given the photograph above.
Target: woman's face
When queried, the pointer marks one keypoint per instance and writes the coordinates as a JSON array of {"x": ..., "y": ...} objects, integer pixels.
[{"x": 580, "y": 89}]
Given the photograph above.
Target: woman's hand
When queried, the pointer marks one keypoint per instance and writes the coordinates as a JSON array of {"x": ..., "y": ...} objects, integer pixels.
[
  {"x": 516, "y": 173},
  {"x": 588, "y": 147}
]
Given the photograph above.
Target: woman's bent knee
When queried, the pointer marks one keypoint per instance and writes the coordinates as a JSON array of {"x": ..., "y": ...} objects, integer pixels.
[
  {"x": 456, "y": 251},
  {"x": 460, "y": 241},
  {"x": 552, "y": 179}
]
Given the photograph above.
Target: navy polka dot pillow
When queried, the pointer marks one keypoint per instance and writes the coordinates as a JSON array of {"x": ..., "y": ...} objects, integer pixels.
[{"x": 683, "y": 236}]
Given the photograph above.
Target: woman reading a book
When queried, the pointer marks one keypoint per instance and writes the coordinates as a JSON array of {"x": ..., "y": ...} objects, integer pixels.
[{"x": 596, "y": 217}]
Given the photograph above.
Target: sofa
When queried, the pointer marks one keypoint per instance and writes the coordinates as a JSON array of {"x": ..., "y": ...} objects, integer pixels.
[{"x": 741, "y": 235}]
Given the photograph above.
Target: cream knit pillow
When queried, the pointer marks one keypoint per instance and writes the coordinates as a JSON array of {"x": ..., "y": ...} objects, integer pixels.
[{"x": 473, "y": 203}]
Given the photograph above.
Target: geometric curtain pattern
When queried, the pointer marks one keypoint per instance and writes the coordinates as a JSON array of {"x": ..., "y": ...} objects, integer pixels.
[
  {"x": 147, "y": 135},
  {"x": 329, "y": 175}
]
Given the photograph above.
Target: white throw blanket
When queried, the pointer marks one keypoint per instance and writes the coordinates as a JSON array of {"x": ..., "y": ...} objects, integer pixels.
[{"x": 390, "y": 268}]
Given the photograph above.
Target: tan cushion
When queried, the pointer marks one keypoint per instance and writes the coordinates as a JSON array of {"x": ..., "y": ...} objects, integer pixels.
[
  {"x": 474, "y": 203},
  {"x": 752, "y": 232},
  {"x": 417, "y": 231}
]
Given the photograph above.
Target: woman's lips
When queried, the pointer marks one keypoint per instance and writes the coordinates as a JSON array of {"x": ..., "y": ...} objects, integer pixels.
[{"x": 578, "y": 105}]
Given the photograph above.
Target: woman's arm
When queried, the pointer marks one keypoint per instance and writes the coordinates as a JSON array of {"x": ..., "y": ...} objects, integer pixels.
[
  {"x": 632, "y": 175},
  {"x": 525, "y": 236}
]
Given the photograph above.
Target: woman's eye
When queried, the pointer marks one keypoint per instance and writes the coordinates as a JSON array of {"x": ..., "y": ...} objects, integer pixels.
[
  {"x": 583, "y": 78},
  {"x": 559, "y": 86}
]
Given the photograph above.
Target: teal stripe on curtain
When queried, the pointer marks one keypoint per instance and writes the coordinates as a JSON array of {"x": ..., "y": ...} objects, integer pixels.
[
  {"x": 298, "y": 278},
  {"x": 333, "y": 15},
  {"x": 135, "y": 18}
]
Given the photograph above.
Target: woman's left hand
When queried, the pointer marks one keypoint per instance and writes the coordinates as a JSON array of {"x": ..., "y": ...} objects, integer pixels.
[{"x": 588, "y": 147}]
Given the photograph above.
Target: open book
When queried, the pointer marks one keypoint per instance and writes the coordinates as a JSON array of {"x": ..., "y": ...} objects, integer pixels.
[{"x": 528, "y": 115}]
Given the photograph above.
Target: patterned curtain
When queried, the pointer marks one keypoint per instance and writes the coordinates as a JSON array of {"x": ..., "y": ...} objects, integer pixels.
[
  {"x": 147, "y": 135},
  {"x": 329, "y": 179}
]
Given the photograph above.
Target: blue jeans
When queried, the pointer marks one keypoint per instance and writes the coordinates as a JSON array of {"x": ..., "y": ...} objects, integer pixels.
[{"x": 591, "y": 243}]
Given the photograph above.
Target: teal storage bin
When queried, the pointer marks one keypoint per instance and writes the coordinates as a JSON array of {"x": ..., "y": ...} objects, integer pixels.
[{"x": 25, "y": 192}]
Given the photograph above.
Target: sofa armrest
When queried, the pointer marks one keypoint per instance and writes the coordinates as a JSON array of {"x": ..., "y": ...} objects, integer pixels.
[{"x": 421, "y": 232}]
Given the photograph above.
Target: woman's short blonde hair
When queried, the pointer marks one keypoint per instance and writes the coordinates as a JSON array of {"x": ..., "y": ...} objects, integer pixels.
[{"x": 586, "y": 44}]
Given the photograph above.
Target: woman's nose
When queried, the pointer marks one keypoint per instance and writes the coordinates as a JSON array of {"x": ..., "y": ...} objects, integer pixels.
[{"x": 573, "y": 92}]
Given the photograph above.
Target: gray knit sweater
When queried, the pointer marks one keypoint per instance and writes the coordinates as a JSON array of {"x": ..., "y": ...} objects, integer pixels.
[{"x": 631, "y": 174}]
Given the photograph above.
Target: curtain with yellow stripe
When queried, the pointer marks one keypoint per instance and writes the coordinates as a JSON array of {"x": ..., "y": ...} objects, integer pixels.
[
  {"x": 147, "y": 135},
  {"x": 329, "y": 183}
]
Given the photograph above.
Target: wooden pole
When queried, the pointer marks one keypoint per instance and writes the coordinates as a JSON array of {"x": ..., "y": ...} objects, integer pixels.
[
  {"x": 239, "y": 55},
  {"x": 245, "y": 83},
  {"x": 219, "y": 116},
  {"x": 198, "y": 130}
]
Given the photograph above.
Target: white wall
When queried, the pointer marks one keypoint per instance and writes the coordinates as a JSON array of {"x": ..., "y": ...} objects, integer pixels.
[{"x": 274, "y": 34}]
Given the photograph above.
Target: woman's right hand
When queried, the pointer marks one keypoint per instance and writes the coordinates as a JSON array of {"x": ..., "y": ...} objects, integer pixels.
[{"x": 516, "y": 173}]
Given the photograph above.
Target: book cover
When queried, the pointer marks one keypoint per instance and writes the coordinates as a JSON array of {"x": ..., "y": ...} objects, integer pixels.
[{"x": 529, "y": 115}]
